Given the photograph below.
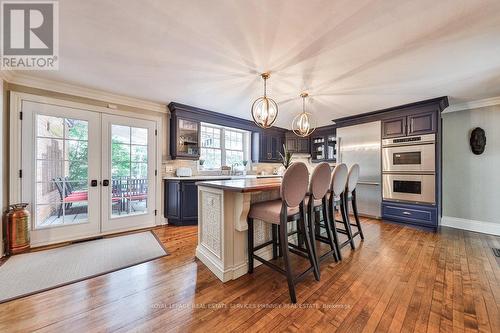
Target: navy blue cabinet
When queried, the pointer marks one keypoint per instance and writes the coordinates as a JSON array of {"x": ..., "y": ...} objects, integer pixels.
[
  {"x": 267, "y": 145},
  {"x": 413, "y": 124},
  {"x": 423, "y": 123},
  {"x": 418, "y": 214},
  {"x": 181, "y": 202},
  {"x": 392, "y": 128}
]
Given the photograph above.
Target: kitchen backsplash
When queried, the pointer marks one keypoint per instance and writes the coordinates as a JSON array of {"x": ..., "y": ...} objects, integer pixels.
[{"x": 170, "y": 166}]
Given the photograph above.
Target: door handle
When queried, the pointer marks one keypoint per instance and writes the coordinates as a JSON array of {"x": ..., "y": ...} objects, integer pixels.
[
  {"x": 105, "y": 182},
  {"x": 93, "y": 183}
]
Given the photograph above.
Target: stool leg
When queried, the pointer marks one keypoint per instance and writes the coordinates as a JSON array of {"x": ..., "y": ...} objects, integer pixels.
[
  {"x": 284, "y": 250},
  {"x": 250, "y": 245},
  {"x": 311, "y": 241},
  {"x": 334, "y": 230},
  {"x": 328, "y": 228},
  {"x": 275, "y": 240},
  {"x": 356, "y": 217},
  {"x": 344, "y": 208}
]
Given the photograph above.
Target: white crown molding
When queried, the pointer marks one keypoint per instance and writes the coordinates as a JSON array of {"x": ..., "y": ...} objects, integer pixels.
[
  {"x": 72, "y": 89},
  {"x": 471, "y": 225},
  {"x": 480, "y": 103},
  {"x": 6, "y": 75}
]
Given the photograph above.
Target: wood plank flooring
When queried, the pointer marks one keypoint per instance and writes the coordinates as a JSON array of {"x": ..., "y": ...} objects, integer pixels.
[{"x": 400, "y": 279}]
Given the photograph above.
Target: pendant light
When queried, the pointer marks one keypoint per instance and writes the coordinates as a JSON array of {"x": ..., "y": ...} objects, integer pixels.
[
  {"x": 303, "y": 124},
  {"x": 264, "y": 109}
]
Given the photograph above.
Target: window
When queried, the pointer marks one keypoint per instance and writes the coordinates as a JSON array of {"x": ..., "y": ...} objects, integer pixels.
[{"x": 223, "y": 146}]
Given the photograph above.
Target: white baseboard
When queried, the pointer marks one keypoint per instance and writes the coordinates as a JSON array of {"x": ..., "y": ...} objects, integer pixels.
[{"x": 471, "y": 225}]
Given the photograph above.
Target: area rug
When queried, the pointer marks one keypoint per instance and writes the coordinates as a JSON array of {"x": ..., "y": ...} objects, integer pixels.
[{"x": 34, "y": 272}]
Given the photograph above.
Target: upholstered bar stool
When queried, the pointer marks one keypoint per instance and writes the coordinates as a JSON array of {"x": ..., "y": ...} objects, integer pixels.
[
  {"x": 317, "y": 201},
  {"x": 350, "y": 195},
  {"x": 339, "y": 181},
  {"x": 289, "y": 208}
]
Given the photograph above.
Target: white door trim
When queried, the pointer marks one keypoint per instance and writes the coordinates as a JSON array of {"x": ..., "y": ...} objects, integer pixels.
[{"x": 15, "y": 143}]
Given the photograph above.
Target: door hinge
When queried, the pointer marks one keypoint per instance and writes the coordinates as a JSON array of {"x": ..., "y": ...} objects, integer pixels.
[
  {"x": 156, "y": 212},
  {"x": 156, "y": 132},
  {"x": 21, "y": 115},
  {"x": 156, "y": 172},
  {"x": 20, "y": 173}
]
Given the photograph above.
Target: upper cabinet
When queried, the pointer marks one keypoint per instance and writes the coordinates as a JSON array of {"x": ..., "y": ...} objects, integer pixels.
[
  {"x": 296, "y": 144},
  {"x": 267, "y": 145},
  {"x": 423, "y": 123},
  {"x": 413, "y": 124},
  {"x": 185, "y": 138},
  {"x": 394, "y": 127},
  {"x": 324, "y": 145}
]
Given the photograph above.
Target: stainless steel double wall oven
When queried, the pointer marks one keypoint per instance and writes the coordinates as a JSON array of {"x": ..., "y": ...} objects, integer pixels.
[{"x": 408, "y": 168}]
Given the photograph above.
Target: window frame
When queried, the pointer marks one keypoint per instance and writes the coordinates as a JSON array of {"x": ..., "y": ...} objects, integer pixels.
[{"x": 245, "y": 149}]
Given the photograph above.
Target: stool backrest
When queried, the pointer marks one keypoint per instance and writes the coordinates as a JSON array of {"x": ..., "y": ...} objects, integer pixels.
[
  {"x": 294, "y": 184},
  {"x": 320, "y": 180},
  {"x": 353, "y": 178},
  {"x": 339, "y": 179}
]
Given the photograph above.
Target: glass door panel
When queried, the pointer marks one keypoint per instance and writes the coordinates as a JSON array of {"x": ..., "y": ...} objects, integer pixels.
[
  {"x": 62, "y": 171},
  {"x": 129, "y": 174}
]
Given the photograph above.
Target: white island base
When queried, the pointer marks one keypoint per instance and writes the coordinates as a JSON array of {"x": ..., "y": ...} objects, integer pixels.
[{"x": 222, "y": 228}]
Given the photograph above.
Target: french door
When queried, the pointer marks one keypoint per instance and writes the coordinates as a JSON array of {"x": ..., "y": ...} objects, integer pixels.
[
  {"x": 86, "y": 173},
  {"x": 128, "y": 172}
]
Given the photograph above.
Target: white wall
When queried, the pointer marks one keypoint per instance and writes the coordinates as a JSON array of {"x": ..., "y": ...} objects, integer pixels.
[{"x": 471, "y": 183}]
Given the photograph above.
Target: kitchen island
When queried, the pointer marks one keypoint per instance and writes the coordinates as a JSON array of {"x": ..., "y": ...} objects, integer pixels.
[{"x": 223, "y": 207}]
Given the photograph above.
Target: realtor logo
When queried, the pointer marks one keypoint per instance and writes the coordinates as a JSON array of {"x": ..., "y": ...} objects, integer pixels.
[{"x": 30, "y": 33}]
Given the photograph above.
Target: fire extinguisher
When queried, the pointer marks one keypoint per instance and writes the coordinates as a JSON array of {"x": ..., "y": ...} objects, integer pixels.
[{"x": 17, "y": 226}]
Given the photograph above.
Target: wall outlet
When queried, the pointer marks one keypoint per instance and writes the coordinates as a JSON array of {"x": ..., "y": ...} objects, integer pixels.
[{"x": 169, "y": 169}]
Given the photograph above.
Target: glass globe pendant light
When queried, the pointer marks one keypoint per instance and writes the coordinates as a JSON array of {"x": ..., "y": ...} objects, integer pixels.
[
  {"x": 303, "y": 124},
  {"x": 264, "y": 109}
]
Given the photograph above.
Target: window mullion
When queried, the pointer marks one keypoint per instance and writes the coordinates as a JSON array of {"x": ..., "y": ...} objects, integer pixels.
[{"x": 223, "y": 146}]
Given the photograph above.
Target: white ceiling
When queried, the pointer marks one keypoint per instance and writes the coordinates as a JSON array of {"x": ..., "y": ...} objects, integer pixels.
[{"x": 351, "y": 56}]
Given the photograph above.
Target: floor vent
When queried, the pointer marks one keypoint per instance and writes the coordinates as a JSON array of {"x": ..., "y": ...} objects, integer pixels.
[{"x": 496, "y": 252}]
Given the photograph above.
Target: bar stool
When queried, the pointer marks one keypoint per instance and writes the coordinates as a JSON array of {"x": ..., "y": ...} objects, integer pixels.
[
  {"x": 316, "y": 202},
  {"x": 350, "y": 195},
  {"x": 289, "y": 208},
  {"x": 339, "y": 181}
]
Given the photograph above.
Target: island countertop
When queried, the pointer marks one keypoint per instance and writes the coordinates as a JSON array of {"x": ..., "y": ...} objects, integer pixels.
[{"x": 244, "y": 185}]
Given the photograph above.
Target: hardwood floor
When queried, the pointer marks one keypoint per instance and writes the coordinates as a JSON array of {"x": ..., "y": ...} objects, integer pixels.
[{"x": 399, "y": 279}]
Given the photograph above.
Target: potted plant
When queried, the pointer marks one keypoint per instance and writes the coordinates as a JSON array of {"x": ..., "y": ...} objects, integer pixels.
[{"x": 286, "y": 157}]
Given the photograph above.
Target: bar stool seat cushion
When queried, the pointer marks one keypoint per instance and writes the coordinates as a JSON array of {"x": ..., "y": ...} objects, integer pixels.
[{"x": 269, "y": 211}]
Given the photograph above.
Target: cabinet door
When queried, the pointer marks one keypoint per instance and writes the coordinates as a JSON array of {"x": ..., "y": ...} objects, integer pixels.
[
  {"x": 172, "y": 199},
  {"x": 303, "y": 145},
  {"x": 265, "y": 154},
  {"x": 394, "y": 127},
  {"x": 292, "y": 145},
  {"x": 423, "y": 123},
  {"x": 189, "y": 200},
  {"x": 275, "y": 147},
  {"x": 187, "y": 139}
]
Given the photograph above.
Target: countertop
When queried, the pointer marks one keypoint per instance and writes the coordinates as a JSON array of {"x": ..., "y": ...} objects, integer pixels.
[
  {"x": 215, "y": 177},
  {"x": 244, "y": 185}
]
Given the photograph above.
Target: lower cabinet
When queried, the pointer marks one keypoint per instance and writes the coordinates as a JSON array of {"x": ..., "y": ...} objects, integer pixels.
[
  {"x": 181, "y": 202},
  {"x": 423, "y": 215}
]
